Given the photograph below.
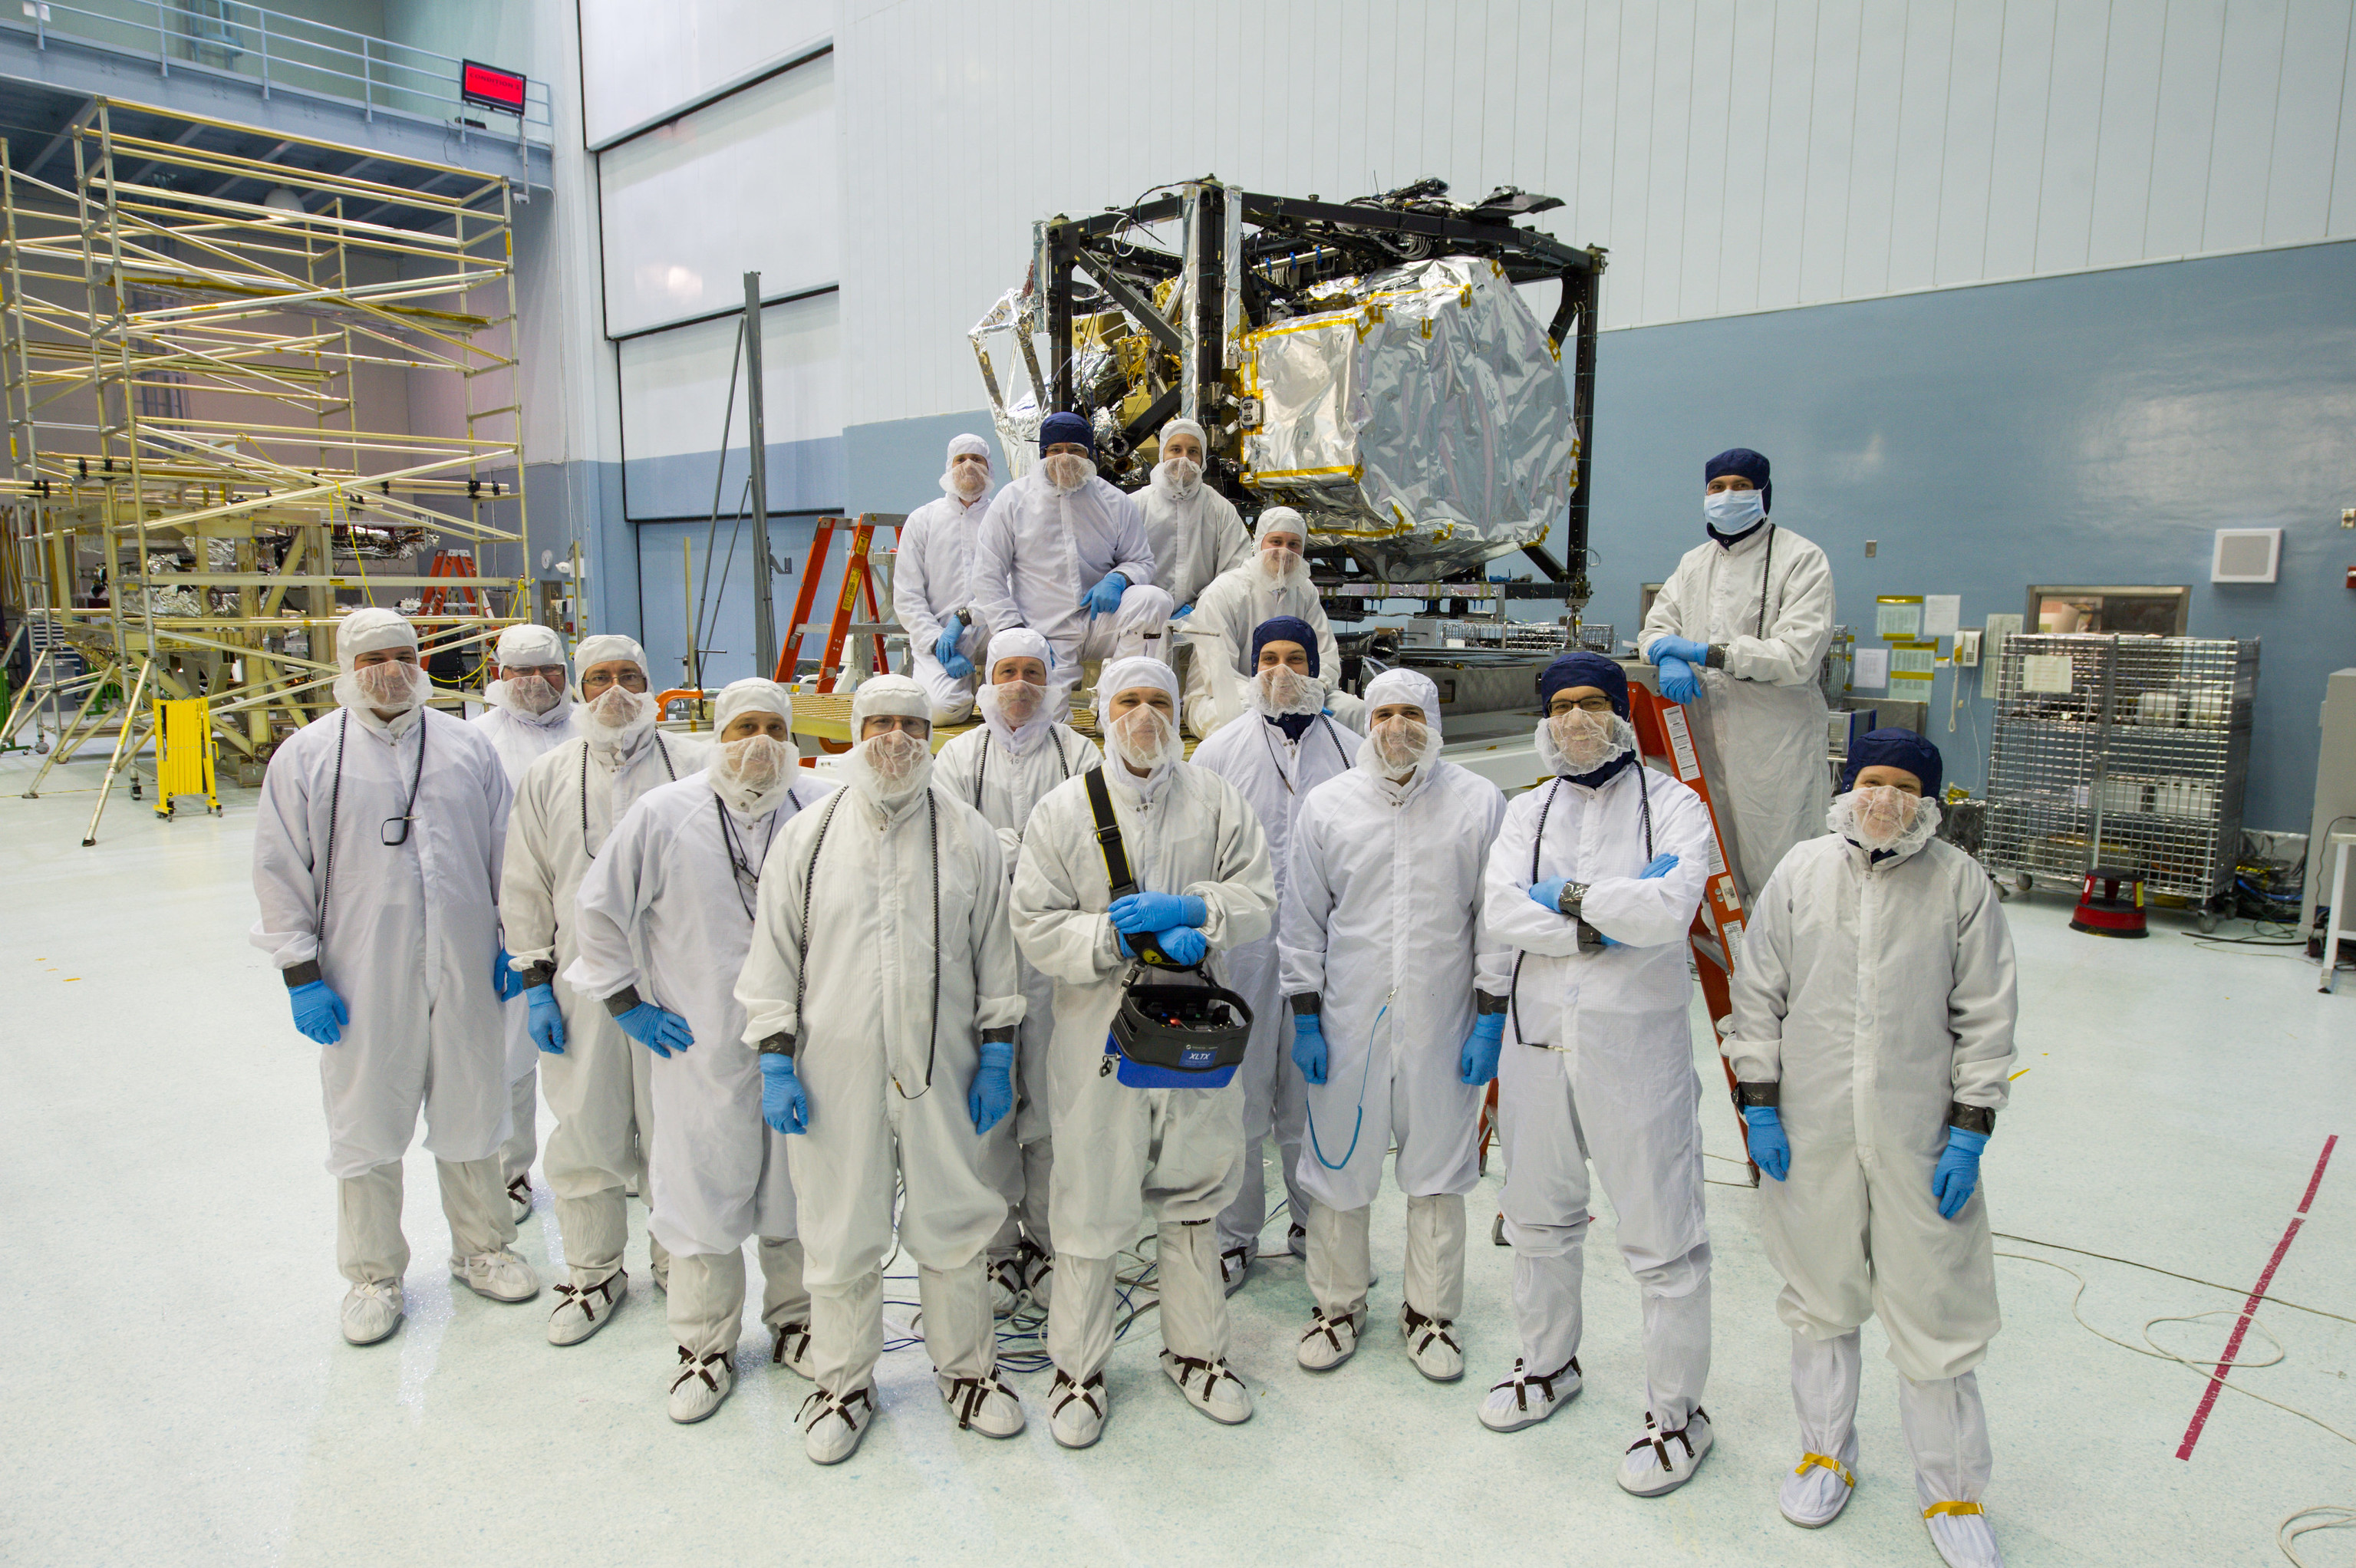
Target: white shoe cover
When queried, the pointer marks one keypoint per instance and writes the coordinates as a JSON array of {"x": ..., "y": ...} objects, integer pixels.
[
  {"x": 1209, "y": 1387},
  {"x": 1431, "y": 1345},
  {"x": 371, "y": 1311},
  {"x": 789, "y": 1346},
  {"x": 1526, "y": 1398},
  {"x": 832, "y": 1427},
  {"x": 520, "y": 1198},
  {"x": 699, "y": 1386},
  {"x": 1329, "y": 1341},
  {"x": 1005, "y": 1287},
  {"x": 1077, "y": 1412},
  {"x": 1235, "y": 1267},
  {"x": 1813, "y": 1494},
  {"x": 1963, "y": 1539},
  {"x": 982, "y": 1405},
  {"x": 501, "y": 1275},
  {"x": 1663, "y": 1459},
  {"x": 581, "y": 1310}
]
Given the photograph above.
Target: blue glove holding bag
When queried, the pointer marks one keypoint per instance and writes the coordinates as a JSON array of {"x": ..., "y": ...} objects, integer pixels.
[
  {"x": 1182, "y": 945},
  {"x": 1308, "y": 1046},
  {"x": 1771, "y": 1151}
]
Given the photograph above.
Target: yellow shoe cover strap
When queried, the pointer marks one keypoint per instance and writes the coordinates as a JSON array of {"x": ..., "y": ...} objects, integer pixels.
[
  {"x": 1825, "y": 1462},
  {"x": 1950, "y": 1508}
]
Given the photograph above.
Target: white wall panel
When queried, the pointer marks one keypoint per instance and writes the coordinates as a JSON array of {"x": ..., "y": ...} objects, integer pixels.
[
  {"x": 675, "y": 383},
  {"x": 1732, "y": 155},
  {"x": 749, "y": 182},
  {"x": 639, "y": 63}
]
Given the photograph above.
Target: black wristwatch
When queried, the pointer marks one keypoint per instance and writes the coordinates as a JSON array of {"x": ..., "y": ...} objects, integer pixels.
[{"x": 1972, "y": 1119}]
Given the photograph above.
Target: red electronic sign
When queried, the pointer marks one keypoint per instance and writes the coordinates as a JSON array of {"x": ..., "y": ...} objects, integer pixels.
[{"x": 491, "y": 87}]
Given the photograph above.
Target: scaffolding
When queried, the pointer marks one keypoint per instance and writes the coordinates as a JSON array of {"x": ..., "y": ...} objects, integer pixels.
[{"x": 212, "y": 410}]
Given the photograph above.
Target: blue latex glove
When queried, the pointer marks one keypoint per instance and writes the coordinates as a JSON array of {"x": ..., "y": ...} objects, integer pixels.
[
  {"x": 546, "y": 1024},
  {"x": 992, "y": 1095},
  {"x": 1958, "y": 1171},
  {"x": 657, "y": 1030},
  {"x": 1548, "y": 895},
  {"x": 1678, "y": 682},
  {"x": 1181, "y": 612},
  {"x": 1134, "y": 912},
  {"x": 945, "y": 647},
  {"x": 1105, "y": 597},
  {"x": 1660, "y": 865},
  {"x": 504, "y": 979},
  {"x": 784, "y": 1104},
  {"x": 1182, "y": 945},
  {"x": 1686, "y": 648},
  {"x": 1477, "y": 1064},
  {"x": 958, "y": 668},
  {"x": 1308, "y": 1046},
  {"x": 1771, "y": 1151},
  {"x": 319, "y": 1012}
]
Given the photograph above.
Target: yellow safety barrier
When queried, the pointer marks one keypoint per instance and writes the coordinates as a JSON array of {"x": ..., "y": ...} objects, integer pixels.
[{"x": 184, "y": 754}]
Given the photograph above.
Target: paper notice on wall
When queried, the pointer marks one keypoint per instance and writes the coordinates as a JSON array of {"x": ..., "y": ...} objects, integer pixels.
[
  {"x": 1999, "y": 628},
  {"x": 1914, "y": 661},
  {"x": 1897, "y": 615},
  {"x": 1872, "y": 671},
  {"x": 1942, "y": 614},
  {"x": 2045, "y": 672}
]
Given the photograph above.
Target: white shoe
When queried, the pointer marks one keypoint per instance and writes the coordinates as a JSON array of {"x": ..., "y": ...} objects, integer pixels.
[
  {"x": 520, "y": 1198},
  {"x": 1665, "y": 1458},
  {"x": 789, "y": 1346},
  {"x": 1005, "y": 1287},
  {"x": 832, "y": 1427},
  {"x": 701, "y": 1385},
  {"x": 501, "y": 1276},
  {"x": 1077, "y": 1412},
  {"x": 1431, "y": 1345},
  {"x": 581, "y": 1310},
  {"x": 1813, "y": 1494},
  {"x": 371, "y": 1311},
  {"x": 1235, "y": 1267},
  {"x": 982, "y": 1404},
  {"x": 1209, "y": 1387},
  {"x": 1038, "y": 1272},
  {"x": 1329, "y": 1341},
  {"x": 1961, "y": 1533},
  {"x": 1526, "y": 1398}
]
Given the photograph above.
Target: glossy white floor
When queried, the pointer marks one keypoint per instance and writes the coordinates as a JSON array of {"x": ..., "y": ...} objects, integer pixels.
[{"x": 176, "y": 1390}]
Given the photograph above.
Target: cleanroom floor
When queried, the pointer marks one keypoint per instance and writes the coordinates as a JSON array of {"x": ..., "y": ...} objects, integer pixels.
[{"x": 176, "y": 1390}]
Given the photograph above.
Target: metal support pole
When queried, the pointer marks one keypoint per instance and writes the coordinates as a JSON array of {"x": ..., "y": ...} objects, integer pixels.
[
  {"x": 765, "y": 613},
  {"x": 1582, "y": 414},
  {"x": 126, "y": 748},
  {"x": 1059, "y": 286}
]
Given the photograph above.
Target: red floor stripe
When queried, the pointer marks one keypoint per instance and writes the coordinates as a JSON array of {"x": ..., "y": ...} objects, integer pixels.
[{"x": 2249, "y": 1307}]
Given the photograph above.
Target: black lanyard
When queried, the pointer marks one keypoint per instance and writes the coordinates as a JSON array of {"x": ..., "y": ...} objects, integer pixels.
[
  {"x": 982, "y": 772},
  {"x": 1538, "y": 844},
  {"x": 1324, "y": 724},
  {"x": 335, "y": 808},
  {"x": 747, "y": 871},
  {"x": 664, "y": 751},
  {"x": 802, "y": 941}
]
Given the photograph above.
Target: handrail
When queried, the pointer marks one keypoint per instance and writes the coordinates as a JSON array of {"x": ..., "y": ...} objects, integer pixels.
[{"x": 286, "y": 53}]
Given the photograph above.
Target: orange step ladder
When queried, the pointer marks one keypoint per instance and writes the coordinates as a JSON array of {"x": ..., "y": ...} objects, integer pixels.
[
  {"x": 451, "y": 564},
  {"x": 858, "y": 592}
]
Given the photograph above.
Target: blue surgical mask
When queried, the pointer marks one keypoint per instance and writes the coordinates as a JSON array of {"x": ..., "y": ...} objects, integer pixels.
[{"x": 1733, "y": 511}]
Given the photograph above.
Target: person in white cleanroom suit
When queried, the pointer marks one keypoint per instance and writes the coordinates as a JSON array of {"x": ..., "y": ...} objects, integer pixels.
[
  {"x": 1274, "y": 759},
  {"x": 1272, "y": 581},
  {"x": 530, "y": 710},
  {"x": 1879, "y": 944},
  {"x": 1380, "y": 931},
  {"x": 932, "y": 582},
  {"x": 1194, "y": 531},
  {"x": 1001, "y": 768},
  {"x": 1064, "y": 553},
  {"x": 1195, "y": 848},
  {"x": 882, "y": 997},
  {"x": 1740, "y": 630},
  {"x": 596, "y": 1082},
  {"x": 376, "y": 862},
  {"x": 1593, "y": 884},
  {"x": 664, "y": 920}
]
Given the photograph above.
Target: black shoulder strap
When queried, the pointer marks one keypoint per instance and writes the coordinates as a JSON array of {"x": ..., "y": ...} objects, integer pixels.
[{"x": 1116, "y": 858}]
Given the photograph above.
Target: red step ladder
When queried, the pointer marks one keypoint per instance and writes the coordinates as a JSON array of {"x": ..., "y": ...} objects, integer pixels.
[
  {"x": 451, "y": 564},
  {"x": 858, "y": 591}
]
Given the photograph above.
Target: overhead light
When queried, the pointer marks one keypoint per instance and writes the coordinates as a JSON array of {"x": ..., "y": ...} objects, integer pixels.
[{"x": 285, "y": 200}]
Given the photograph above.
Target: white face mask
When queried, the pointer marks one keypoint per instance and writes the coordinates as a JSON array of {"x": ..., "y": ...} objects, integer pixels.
[
  {"x": 1145, "y": 738},
  {"x": 965, "y": 480},
  {"x": 618, "y": 708},
  {"x": 1018, "y": 702},
  {"x": 754, "y": 763},
  {"x": 1401, "y": 743},
  {"x": 1731, "y": 511},
  {"x": 895, "y": 755},
  {"x": 395, "y": 686},
  {"x": 1588, "y": 741},
  {"x": 1284, "y": 689},
  {"x": 1069, "y": 471},
  {"x": 1181, "y": 477},
  {"x": 1882, "y": 814},
  {"x": 532, "y": 694},
  {"x": 1283, "y": 568}
]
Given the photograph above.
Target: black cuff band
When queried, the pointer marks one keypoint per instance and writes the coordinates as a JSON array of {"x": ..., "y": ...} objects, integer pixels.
[
  {"x": 1590, "y": 939},
  {"x": 1485, "y": 1004},
  {"x": 301, "y": 973},
  {"x": 1759, "y": 1094},
  {"x": 621, "y": 1001},
  {"x": 778, "y": 1045},
  {"x": 1307, "y": 1002},
  {"x": 1972, "y": 1119},
  {"x": 1717, "y": 659},
  {"x": 999, "y": 1036},
  {"x": 538, "y": 974}
]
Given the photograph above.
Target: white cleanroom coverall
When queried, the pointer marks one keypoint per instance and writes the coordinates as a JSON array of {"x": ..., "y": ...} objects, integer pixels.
[
  {"x": 1878, "y": 995},
  {"x": 1040, "y": 551},
  {"x": 663, "y": 912},
  {"x": 932, "y": 579},
  {"x": 406, "y": 936},
  {"x": 1381, "y": 923},
  {"x": 888, "y": 1038},
  {"x": 1194, "y": 538},
  {"x": 1764, "y": 711},
  {"x": 599, "y": 1090},
  {"x": 1598, "y": 1065},
  {"x": 1274, "y": 775},
  {"x": 1121, "y": 1152},
  {"x": 1004, "y": 774},
  {"x": 1219, "y": 675}
]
